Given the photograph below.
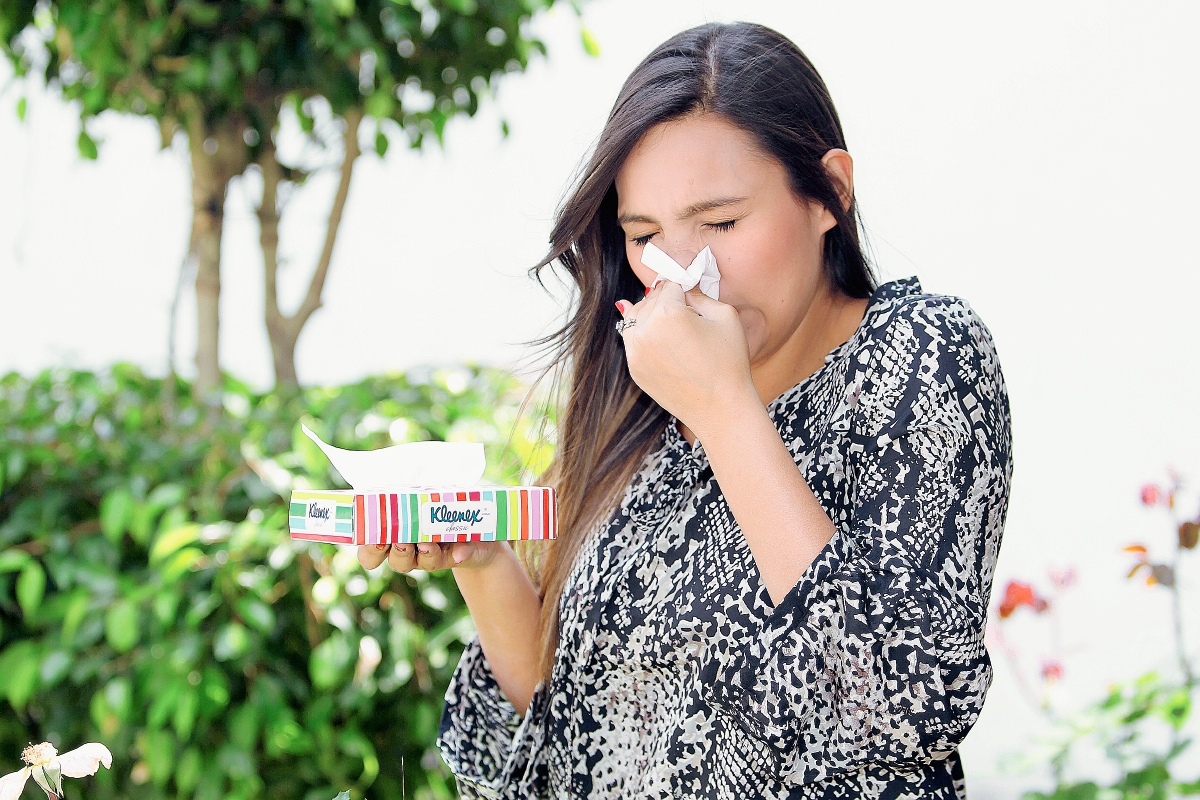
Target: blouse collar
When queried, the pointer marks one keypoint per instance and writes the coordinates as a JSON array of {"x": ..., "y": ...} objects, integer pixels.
[{"x": 689, "y": 460}]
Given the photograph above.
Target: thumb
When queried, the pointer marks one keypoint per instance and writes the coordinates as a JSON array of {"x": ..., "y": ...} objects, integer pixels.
[
  {"x": 471, "y": 554},
  {"x": 703, "y": 304}
]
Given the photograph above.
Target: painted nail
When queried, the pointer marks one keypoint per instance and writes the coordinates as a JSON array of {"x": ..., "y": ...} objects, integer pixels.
[
  {"x": 648, "y": 288},
  {"x": 381, "y": 547},
  {"x": 620, "y": 307},
  {"x": 459, "y": 555}
]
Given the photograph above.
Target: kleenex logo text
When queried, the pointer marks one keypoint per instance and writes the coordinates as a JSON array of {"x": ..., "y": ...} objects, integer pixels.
[
  {"x": 443, "y": 513},
  {"x": 452, "y": 518}
]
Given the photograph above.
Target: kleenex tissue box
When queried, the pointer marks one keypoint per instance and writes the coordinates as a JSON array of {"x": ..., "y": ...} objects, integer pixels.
[
  {"x": 419, "y": 492},
  {"x": 417, "y": 514}
]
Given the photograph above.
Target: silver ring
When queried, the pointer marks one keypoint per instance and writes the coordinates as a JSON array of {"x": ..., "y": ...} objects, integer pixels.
[{"x": 622, "y": 324}]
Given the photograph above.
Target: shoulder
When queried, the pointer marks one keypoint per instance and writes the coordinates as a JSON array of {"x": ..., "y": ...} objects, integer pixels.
[
  {"x": 902, "y": 317},
  {"x": 921, "y": 351}
]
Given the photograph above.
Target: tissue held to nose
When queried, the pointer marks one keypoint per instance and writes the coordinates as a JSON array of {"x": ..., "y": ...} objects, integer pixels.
[{"x": 701, "y": 272}]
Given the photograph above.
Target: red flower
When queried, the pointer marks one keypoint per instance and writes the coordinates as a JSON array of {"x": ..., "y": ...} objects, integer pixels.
[
  {"x": 1052, "y": 671},
  {"x": 1150, "y": 494},
  {"x": 1017, "y": 594}
]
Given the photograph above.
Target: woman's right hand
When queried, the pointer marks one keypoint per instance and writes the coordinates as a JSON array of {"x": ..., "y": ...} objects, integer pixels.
[{"x": 429, "y": 556}]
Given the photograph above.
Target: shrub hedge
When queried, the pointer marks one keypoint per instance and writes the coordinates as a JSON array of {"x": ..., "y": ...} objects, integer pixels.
[{"x": 151, "y": 598}]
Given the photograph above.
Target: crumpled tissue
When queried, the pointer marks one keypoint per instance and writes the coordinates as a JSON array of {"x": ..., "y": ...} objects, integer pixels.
[{"x": 702, "y": 271}]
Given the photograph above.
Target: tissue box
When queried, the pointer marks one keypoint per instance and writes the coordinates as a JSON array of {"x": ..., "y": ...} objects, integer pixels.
[{"x": 422, "y": 514}]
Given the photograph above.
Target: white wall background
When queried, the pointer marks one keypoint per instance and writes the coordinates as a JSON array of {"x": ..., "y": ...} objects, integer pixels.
[{"x": 1039, "y": 159}]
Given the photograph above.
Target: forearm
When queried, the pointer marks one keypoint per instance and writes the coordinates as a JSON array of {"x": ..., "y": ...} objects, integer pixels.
[
  {"x": 505, "y": 607},
  {"x": 784, "y": 524}
]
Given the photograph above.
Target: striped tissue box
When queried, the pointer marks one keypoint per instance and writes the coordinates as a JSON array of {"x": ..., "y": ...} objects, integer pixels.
[{"x": 420, "y": 514}]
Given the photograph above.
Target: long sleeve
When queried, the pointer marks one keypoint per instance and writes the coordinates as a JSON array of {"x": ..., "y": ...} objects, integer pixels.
[
  {"x": 876, "y": 656},
  {"x": 478, "y": 727}
]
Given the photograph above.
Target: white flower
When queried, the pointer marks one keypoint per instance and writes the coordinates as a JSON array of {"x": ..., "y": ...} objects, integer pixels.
[{"x": 47, "y": 768}]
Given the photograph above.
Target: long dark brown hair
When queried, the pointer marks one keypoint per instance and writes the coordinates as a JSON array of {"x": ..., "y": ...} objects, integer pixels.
[{"x": 760, "y": 81}]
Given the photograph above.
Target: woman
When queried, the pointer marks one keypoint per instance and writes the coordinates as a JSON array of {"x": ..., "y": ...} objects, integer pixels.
[{"x": 779, "y": 509}]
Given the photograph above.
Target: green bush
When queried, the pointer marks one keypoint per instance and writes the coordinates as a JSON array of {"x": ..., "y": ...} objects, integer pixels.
[{"x": 151, "y": 598}]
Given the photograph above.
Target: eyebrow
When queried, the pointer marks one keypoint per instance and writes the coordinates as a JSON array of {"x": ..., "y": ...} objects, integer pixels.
[{"x": 690, "y": 211}]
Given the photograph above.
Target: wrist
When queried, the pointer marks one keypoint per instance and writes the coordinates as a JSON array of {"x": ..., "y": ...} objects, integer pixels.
[{"x": 729, "y": 414}]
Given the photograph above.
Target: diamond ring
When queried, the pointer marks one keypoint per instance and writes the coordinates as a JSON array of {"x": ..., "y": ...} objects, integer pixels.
[{"x": 622, "y": 324}]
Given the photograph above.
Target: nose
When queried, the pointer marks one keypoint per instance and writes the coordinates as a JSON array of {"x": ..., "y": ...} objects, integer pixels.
[{"x": 682, "y": 255}]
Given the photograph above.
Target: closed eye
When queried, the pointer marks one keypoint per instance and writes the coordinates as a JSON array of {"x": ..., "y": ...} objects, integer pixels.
[
  {"x": 722, "y": 226},
  {"x": 641, "y": 241}
]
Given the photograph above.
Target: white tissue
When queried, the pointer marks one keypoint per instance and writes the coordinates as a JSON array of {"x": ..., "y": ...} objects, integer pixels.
[
  {"x": 413, "y": 464},
  {"x": 702, "y": 271}
]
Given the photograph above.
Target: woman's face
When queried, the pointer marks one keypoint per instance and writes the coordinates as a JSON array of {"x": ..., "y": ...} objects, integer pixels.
[{"x": 699, "y": 181}]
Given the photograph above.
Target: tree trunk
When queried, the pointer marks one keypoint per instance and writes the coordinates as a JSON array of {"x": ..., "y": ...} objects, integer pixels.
[
  {"x": 211, "y": 174},
  {"x": 283, "y": 331},
  {"x": 208, "y": 211}
]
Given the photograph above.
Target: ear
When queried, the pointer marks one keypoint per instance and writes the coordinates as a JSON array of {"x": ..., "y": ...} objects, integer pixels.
[{"x": 840, "y": 166}]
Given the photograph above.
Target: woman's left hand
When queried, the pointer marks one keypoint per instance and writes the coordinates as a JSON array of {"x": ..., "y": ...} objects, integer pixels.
[{"x": 689, "y": 353}]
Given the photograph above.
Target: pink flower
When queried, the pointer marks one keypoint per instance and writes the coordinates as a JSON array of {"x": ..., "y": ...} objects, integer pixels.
[
  {"x": 1063, "y": 578},
  {"x": 48, "y": 768},
  {"x": 1150, "y": 494},
  {"x": 1052, "y": 671}
]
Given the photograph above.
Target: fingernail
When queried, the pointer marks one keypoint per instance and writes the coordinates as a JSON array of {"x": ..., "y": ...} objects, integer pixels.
[
  {"x": 620, "y": 308},
  {"x": 459, "y": 555},
  {"x": 423, "y": 549},
  {"x": 648, "y": 291},
  {"x": 381, "y": 547}
]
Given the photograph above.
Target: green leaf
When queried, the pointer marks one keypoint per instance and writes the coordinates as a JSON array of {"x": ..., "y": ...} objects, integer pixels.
[
  {"x": 21, "y": 107},
  {"x": 380, "y": 104},
  {"x": 590, "y": 45},
  {"x": 257, "y": 613},
  {"x": 159, "y": 755},
  {"x": 381, "y": 143},
  {"x": 185, "y": 712},
  {"x": 231, "y": 642},
  {"x": 243, "y": 726},
  {"x": 171, "y": 540},
  {"x": 116, "y": 511},
  {"x": 166, "y": 495},
  {"x": 19, "y": 666},
  {"x": 13, "y": 560},
  {"x": 180, "y": 564},
  {"x": 187, "y": 773},
  {"x": 15, "y": 467},
  {"x": 31, "y": 588},
  {"x": 121, "y": 626},
  {"x": 329, "y": 661},
  {"x": 118, "y": 695},
  {"x": 54, "y": 667},
  {"x": 76, "y": 611},
  {"x": 87, "y": 146},
  {"x": 343, "y": 7}
]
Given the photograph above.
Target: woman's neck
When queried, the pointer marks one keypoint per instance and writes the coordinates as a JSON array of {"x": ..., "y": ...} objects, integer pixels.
[{"x": 831, "y": 320}]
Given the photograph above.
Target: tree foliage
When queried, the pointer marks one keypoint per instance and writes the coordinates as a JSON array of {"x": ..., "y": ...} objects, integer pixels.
[
  {"x": 151, "y": 598},
  {"x": 224, "y": 72}
]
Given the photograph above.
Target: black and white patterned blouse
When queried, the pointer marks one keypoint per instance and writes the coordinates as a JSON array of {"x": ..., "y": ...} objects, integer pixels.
[{"x": 676, "y": 677}]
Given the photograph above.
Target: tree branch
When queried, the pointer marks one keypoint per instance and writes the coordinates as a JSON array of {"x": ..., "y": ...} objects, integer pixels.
[{"x": 312, "y": 301}]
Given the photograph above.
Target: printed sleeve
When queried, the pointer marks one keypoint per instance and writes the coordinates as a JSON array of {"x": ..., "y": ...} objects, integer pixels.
[
  {"x": 478, "y": 727},
  {"x": 876, "y": 656}
]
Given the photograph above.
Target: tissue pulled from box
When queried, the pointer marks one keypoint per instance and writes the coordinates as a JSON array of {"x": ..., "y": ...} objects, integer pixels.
[{"x": 412, "y": 464}]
